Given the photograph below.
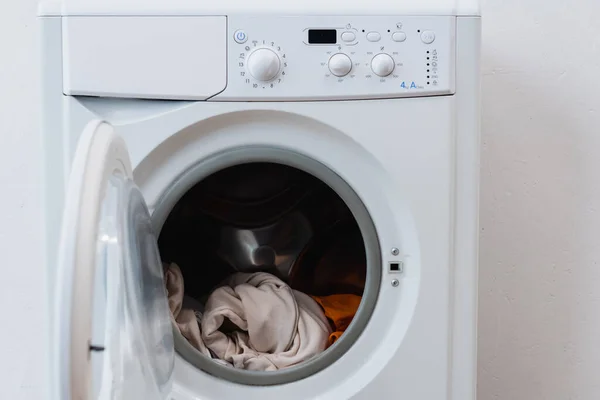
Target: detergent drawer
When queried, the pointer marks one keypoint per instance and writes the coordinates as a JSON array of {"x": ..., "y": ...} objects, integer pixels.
[{"x": 176, "y": 58}]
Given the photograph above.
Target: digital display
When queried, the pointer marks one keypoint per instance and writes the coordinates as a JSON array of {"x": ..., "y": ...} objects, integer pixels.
[{"x": 322, "y": 36}]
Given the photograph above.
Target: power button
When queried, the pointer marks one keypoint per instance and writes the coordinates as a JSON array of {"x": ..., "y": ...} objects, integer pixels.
[{"x": 240, "y": 36}]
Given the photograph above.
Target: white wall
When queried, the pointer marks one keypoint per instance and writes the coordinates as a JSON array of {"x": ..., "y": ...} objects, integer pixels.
[
  {"x": 540, "y": 257},
  {"x": 540, "y": 272},
  {"x": 21, "y": 329}
]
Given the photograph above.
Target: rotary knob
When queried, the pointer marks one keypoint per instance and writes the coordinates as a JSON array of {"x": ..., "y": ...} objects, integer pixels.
[
  {"x": 263, "y": 64},
  {"x": 340, "y": 64},
  {"x": 382, "y": 64}
]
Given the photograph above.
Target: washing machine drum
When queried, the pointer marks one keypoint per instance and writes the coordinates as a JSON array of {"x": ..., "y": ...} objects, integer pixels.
[
  {"x": 250, "y": 195},
  {"x": 256, "y": 217},
  {"x": 278, "y": 220}
]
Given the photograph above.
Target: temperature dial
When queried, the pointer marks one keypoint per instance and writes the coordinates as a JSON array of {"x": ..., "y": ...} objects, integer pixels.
[
  {"x": 340, "y": 64},
  {"x": 263, "y": 64},
  {"x": 382, "y": 64}
]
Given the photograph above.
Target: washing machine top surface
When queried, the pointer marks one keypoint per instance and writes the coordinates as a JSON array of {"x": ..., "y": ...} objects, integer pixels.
[{"x": 225, "y": 7}]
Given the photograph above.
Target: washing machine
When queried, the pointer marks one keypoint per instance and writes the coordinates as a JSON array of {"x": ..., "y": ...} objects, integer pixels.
[{"x": 146, "y": 104}]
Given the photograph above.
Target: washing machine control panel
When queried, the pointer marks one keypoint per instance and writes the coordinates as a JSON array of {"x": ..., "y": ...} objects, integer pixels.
[{"x": 332, "y": 58}]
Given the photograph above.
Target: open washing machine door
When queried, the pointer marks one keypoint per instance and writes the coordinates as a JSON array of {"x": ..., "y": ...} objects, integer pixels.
[{"x": 112, "y": 336}]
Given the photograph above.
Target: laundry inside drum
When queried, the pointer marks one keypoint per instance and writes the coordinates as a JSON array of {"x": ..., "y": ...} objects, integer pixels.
[{"x": 265, "y": 268}]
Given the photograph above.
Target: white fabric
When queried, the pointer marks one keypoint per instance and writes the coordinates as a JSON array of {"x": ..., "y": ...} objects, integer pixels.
[
  {"x": 185, "y": 319},
  {"x": 254, "y": 321}
]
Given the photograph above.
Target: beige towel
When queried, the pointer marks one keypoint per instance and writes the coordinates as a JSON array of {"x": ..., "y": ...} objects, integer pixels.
[
  {"x": 185, "y": 319},
  {"x": 254, "y": 322}
]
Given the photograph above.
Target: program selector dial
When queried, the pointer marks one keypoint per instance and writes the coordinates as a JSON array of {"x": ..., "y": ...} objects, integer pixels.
[
  {"x": 382, "y": 64},
  {"x": 340, "y": 64},
  {"x": 263, "y": 64}
]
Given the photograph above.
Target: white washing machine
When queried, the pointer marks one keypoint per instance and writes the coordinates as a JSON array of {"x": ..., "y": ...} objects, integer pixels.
[{"x": 145, "y": 100}]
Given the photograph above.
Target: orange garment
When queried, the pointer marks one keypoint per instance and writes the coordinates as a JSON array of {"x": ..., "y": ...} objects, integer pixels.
[{"x": 339, "y": 310}]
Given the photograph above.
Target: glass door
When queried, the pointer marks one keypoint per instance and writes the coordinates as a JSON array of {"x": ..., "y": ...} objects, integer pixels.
[{"x": 113, "y": 337}]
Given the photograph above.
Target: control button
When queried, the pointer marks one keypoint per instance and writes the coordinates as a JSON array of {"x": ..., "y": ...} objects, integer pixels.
[
  {"x": 382, "y": 64},
  {"x": 399, "y": 36},
  {"x": 428, "y": 37},
  {"x": 240, "y": 36},
  {"x": 263, "y": 64},
  {"x": 348, "y": 36},
  {"x": 340, "y": 64},
  {"x": 373, "y": 36}
]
